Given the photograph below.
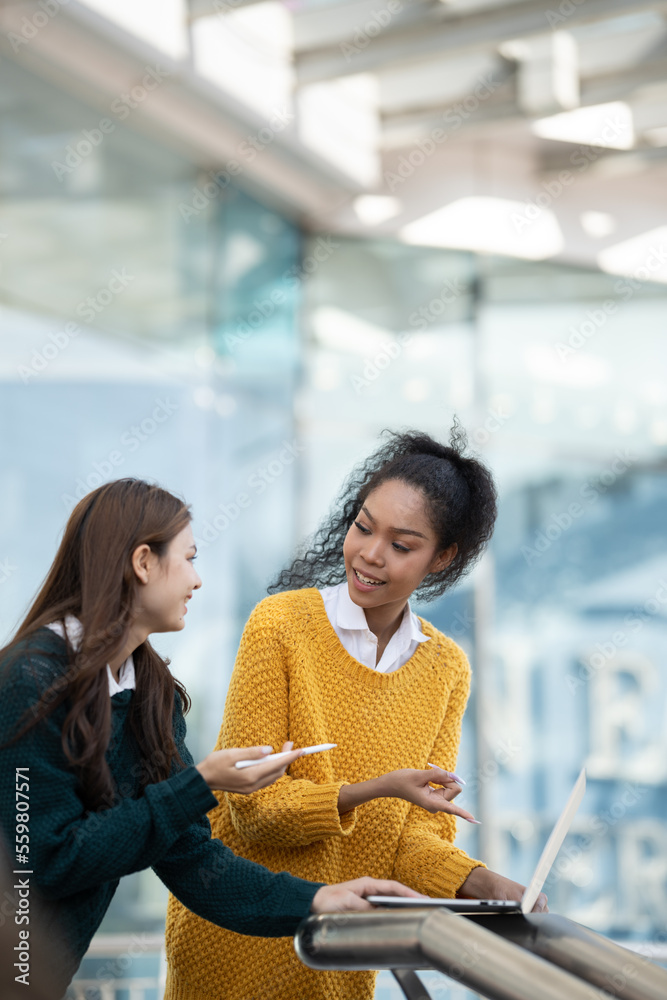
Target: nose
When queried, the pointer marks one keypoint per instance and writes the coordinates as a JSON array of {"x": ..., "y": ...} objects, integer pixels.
[
  {"x": 372, "y": 551},
  {"x": 197, "y": 585}
]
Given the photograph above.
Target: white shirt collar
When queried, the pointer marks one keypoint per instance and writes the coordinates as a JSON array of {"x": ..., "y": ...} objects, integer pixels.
[
  {"x": 126, "y": 676},
  {"x": 349, "y": 615}
]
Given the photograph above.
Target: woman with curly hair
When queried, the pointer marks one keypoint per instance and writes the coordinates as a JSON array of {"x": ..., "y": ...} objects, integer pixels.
[{"x": 336, "y": 655}]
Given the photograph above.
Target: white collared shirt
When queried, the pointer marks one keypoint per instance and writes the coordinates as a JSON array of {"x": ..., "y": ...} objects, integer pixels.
[
  {"x": 350, "y": 625},
  {"x": 126, "y": 677}
]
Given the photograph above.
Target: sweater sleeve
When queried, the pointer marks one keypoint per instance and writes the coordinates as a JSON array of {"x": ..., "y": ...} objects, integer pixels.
[
  {"x": 209, "y": 879},
  {"x": 72, "y": 851},
  {"x": 293, "y": 812},
  {"x": 427, "y": 859}
]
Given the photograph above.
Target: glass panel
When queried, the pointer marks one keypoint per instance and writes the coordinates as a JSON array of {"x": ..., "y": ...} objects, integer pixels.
[
  {"x": 115, "y": 305},
  {"x": 547, "y": 368}
]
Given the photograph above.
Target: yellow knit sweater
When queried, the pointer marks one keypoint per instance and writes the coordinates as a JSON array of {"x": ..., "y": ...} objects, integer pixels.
[{"x": 294, "y": 680}]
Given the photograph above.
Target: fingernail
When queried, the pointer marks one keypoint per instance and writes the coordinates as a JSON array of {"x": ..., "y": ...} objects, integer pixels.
[
  {"x": 477, "y": 822},
  {"x": 450, "y": 774},
  {"x": 267, "y": 749}
]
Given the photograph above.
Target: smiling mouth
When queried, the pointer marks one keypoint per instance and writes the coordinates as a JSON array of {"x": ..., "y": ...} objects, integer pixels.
[{"x": 368, "y": 580}]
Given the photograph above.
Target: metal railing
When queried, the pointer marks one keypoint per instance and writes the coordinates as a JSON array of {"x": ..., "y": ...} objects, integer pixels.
[{"x": 538, "y": 957}]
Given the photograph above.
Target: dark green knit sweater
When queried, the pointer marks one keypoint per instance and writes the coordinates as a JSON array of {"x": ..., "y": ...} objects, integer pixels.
[{"x": 77, "y": 858}]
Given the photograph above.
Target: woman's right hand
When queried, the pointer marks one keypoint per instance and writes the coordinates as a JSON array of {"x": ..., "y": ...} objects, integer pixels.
[
  {"x": 415, "y": 786},
  {"x": 409, "y": 784},
  {"x": 346, "y": 896},
  {"x": 220, "y": 774}
]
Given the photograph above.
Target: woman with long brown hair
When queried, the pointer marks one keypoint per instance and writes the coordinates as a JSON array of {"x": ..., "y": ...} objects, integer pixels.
[{"x": 95, "y": 778}]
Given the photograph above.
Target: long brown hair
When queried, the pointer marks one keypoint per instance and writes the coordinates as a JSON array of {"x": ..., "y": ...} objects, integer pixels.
[{"x": 92, "y": 578}]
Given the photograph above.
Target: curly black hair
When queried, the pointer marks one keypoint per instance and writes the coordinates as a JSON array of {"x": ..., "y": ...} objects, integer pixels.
[{"x": 460, "y": 495}]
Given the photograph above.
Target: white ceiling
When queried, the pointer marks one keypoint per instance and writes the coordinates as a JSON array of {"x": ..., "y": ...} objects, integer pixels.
[{"x": 431, "y": 102}]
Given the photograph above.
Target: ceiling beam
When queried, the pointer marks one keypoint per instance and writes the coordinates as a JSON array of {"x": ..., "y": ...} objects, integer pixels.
[
  {"x": 326, "y": 25},
  {"x": 451, "y": 32},
  {"x": 209, "y": 8},
  {"x": 96, "y": 61},
  {"x": 501, "y": 105}
]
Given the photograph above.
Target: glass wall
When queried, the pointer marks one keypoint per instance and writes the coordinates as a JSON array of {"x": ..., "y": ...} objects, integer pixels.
[
  {"x": 565, "y": 621},
  {"x": 247, "y": 367},
  {"x": 130, "y": 345}
]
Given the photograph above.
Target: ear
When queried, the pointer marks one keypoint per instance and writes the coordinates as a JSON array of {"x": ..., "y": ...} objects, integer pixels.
[
  {"x": 444, "y": 558},
  {"x": 143, "y": 560}
]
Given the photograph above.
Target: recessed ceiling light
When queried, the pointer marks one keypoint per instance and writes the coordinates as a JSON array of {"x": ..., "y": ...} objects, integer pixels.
[
  {"x": 373, "y": 209},
  {"x": 488, "y": 225},
  {"x": 598, "y": 224},
  {"x": 339, "y": 330},
  {"x": 643, "y": 257},
  {"x": 582, "y": 371},
  {"x": 607, "y": 125}
]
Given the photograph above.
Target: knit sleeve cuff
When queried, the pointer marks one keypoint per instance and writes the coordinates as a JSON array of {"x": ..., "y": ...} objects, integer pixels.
[
  {"x": 319, "y": 814},
  {"x": 297, "y": 901},
  {"x": 191, "y": 793},
  {"x": 452, "y": 873}
]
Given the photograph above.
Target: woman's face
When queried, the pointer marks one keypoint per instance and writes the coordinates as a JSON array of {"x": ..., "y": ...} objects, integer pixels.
[
  {"x": 167, "y": 584},
  {"x": 391, "y": 546}
]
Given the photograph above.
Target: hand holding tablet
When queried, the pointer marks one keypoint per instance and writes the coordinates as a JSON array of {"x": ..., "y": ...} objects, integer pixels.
[{"x": 277, "y": 756}]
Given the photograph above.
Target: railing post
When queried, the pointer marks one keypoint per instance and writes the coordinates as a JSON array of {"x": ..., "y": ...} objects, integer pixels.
[{"x": 411, "y": 984}]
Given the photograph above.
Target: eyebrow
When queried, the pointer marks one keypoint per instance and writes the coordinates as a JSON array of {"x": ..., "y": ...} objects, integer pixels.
[{"x": 397, "y": 531}]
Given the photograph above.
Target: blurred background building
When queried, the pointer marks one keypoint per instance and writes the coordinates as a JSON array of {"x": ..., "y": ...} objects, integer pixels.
[{"x": 239, "y": 239}]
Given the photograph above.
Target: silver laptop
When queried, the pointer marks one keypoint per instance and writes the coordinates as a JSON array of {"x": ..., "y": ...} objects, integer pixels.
[{"x": 527, "y": 902}]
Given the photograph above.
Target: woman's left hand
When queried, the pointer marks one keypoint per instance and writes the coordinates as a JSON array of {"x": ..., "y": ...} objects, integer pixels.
[
  {"x": 485, "y": 884},
  {"x": 415, "y": 786}
]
